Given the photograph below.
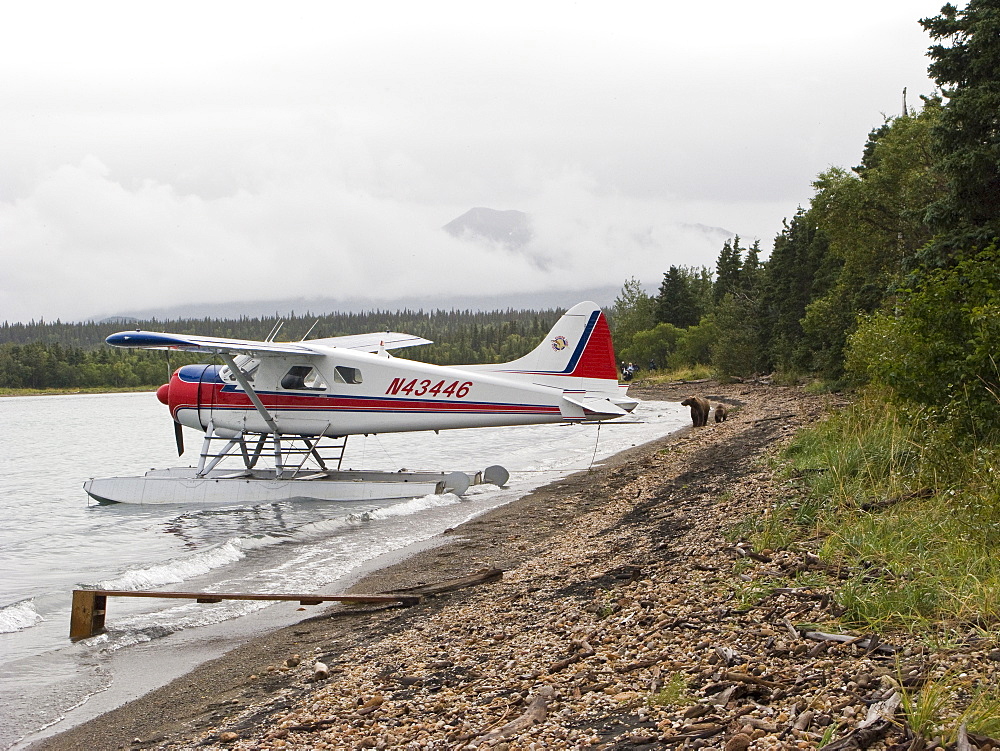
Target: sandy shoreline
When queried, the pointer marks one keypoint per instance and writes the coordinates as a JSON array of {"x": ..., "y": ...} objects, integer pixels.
[{"x": 608, "y": 579}]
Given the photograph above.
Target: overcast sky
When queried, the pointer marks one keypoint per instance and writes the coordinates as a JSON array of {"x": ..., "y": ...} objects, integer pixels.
[{"x": 155, "y": 154}]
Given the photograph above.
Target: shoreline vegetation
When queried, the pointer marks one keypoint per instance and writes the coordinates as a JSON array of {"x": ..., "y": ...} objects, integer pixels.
[{"x": 711, "y": 589}]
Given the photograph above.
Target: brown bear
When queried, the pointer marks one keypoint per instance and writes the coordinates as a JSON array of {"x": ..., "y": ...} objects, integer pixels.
[
  {"x": 721, "y": 412},
  {"x": 699, "y": 410}
]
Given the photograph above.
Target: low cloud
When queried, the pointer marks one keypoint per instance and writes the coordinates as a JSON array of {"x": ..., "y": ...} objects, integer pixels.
[{"x": 83, "y": 244}]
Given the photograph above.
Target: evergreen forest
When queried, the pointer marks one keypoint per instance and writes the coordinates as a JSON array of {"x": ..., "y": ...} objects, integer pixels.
[{"x": 890, "y": 276}]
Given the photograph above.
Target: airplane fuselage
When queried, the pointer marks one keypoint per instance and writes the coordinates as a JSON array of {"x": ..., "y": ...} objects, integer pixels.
[
  {"x": 344, "y": 392},
  {"x": 350, "y": 385}
]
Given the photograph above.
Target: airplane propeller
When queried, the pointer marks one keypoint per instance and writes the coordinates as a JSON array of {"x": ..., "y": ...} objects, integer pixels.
[{"x": 163, "y": 394}]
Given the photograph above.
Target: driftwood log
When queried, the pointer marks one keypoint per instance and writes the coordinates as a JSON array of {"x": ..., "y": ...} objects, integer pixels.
[
  {"x": 534, "y": 714},
  {"x": 581, "y": 650},
  {"x": 887, "y": 502},
  {"x": 876, "y": 726},
  {"x": 450, "y": 585},
  {"x": 871, "y": 643}
]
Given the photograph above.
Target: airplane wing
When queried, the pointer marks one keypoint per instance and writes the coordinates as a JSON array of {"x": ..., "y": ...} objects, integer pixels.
[
  {"x": 371, "y": 342},
  {"x": 189, "y": 343}
]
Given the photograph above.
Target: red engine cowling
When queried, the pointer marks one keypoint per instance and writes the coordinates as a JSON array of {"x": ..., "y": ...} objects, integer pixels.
[{"x": 191, "y": 389}]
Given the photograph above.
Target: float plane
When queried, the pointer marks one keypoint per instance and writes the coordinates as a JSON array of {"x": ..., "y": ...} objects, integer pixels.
[{"x": 295, "y": 403}]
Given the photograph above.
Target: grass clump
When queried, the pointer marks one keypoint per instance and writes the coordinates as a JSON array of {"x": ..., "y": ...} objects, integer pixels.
[
  {"x": 686, "y": 373},
  {"x": 942, "y": 706},
  {"x": 675, "y": 693}
]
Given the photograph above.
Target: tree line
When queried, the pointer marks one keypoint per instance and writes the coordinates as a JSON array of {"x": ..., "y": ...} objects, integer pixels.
[{"x": 890, "y": 275}]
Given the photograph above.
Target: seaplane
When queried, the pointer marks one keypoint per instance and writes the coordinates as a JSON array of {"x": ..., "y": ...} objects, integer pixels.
[{"x": 276, "y": 416}]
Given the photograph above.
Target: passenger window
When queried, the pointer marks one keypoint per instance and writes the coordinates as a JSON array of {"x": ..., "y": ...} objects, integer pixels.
[
  {"x": 303, "y": 377},
  {"x": 344, "y": 374}
]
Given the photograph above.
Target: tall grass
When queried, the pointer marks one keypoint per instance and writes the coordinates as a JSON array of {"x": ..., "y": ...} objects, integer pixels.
[
  {"x": 946, "y": 703},
  {"x": 914, "y": 515},
  {"x": 687, "y": 373}
]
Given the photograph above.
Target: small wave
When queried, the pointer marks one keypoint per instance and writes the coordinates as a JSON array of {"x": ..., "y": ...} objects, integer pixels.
[
  {"x": 140, "y": 629},
  {"x": 415, "y": 506},
  {"x": 177, "y": 569},
  {"x": 18, "y": 616},
  {"x": 114, "y": 639},
  {"x": 326, "y": 527}
]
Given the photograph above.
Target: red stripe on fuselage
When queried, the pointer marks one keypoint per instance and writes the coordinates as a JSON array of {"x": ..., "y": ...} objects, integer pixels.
[{"x": 228, "y": 400}]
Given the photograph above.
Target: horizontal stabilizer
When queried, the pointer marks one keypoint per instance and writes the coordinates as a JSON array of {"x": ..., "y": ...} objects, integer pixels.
[{"x": 604, "y": 407}]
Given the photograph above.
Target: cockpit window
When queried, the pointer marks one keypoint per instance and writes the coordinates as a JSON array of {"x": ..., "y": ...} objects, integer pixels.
[
  {"x": 246, "y": 363},
  {"x": 303, "y": 377},
  {"x": 344, "y": 374}
]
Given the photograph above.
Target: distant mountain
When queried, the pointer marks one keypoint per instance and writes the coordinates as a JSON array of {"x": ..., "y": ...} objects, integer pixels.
[
  {"x": 543, "y": 300},
  {"x": 509, "y": 231},
  {"x": 717, "y": 234},
  {"x": 509, "y": 228}
]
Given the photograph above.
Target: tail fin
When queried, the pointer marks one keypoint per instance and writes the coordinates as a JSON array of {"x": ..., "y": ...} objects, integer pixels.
[
  {"x": 576, "y": 355},
  {"x": 578, "y": 358}
]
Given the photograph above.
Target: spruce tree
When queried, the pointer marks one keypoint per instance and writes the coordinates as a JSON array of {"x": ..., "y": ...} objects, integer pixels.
[
  {"x": 677, "y": 303},
  {"x": 727, "y": 269},
  {"x": 967, "y": 138}
]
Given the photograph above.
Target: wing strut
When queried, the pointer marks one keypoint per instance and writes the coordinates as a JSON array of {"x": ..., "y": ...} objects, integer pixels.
[{"x": 242, "y": 380}]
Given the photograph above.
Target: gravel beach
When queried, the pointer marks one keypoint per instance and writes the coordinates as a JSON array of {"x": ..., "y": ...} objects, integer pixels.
[{"x": 625, "y": 618}]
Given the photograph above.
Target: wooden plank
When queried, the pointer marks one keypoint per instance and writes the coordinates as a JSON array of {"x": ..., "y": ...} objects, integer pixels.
[
  {"x": 90, "y": 605},
  {"x": 83, "y": 616},
  {"x": 219, "y": 596}
]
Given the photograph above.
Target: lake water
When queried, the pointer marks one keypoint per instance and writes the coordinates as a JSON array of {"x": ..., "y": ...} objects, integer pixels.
[{"x": 53, "y": 539}]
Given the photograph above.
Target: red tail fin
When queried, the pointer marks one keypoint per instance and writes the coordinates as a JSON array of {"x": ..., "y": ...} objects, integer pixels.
[{"x": 578, "y": 346}]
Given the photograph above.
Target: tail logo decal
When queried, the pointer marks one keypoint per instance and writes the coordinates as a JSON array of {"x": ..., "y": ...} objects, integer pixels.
[{"x": 559, "y": 343}]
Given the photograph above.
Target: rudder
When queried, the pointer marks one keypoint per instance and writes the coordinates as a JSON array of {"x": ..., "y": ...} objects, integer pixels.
[{"x": 578, "y": 346}]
